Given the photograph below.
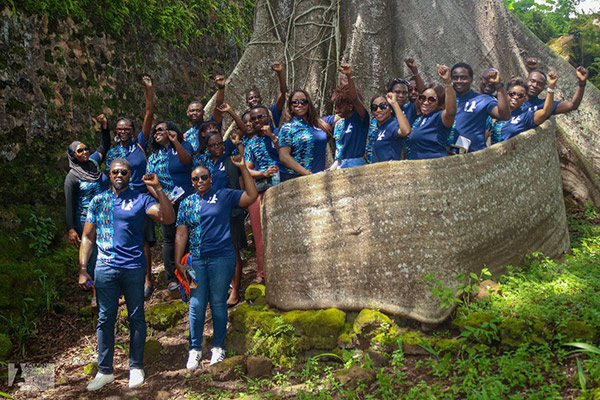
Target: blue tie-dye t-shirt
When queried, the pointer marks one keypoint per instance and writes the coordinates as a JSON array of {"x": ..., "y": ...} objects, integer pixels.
[{"x": 307, "y": 143}]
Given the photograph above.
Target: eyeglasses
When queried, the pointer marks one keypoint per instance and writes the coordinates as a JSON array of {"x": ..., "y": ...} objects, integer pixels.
[
  {"x": 382, "y": 106},
  {"x": 413, "y": 89},
  {"x": 160, "y": 129},
  {"x": 203, "y": 177},
  {"x": 215, "y": 145},
  {"x": 82, "y": 150},
  {"x": 516, "y": 94},
  {"x": 257, "y": 117},
  {"x": 431, "y": 99},
  {"x": 299, "y": 102},
  {"x": 123, "y": 172}
]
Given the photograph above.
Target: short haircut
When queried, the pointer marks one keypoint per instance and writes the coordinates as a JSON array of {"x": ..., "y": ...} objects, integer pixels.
[
  {"x": 122, "y": 161},
  {"x": 211, "y": 124},
  {"x": 203, "y": 167},
  {"x": 128, "y": 120},
  {"x": 539, "y": 72},
  {"x": 398, "y": 81},
  {"x": 341, "y": 95},
  {"x": 259, "y": 106},
  {"x": 195, "y": 102},
  {"x": 462, "y": 65}
]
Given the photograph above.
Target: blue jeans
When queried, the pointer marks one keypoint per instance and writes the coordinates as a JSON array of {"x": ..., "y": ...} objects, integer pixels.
[
  {"x": 110, "y": 283},
  {"x": 214, "y": 276},
  {"x": 352, "y": 162}
]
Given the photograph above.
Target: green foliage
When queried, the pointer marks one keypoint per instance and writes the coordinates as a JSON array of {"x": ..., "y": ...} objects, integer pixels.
[
  {"x": 23, "y": 328},
  {"x": 467, "y": 285},
  {"x": 278, "y": 344},
  {"x": 40, "y": 233},
  {"x": 176, "y": 21}
]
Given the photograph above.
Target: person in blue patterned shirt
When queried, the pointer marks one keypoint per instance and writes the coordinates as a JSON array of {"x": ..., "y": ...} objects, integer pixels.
[
  {"x": 302, "y": 141},
  {"x": 171, "y": 160},
  {"x": 114, "y": 225},
  {"x": 84, "y": 181},
  {"x": 134, "y": 150},
  {"x": 203, "y": 220},
  {"x": 195, "y": 114}
]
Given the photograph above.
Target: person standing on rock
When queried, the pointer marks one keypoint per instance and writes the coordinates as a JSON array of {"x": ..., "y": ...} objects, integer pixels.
[
  {"x": 195, "y": 113},
  {"x": 302, "y": 141},
  {"x": 350, "y": 131},
  {"x": 253, "y": 97},
  {"x": 429, "y": 135},
  {"x": 536, "y": 82},
  {"x": 203, "y": 220},
  {"x": 523, "y": 119},
  {"x": 114, "y": 225},
  {"x": 391, "y": 129},
  {"x": 171, "y": 160},
  {"x": 473, "y": 109},
  {"x": 133, "y": 149},
  {"x": 84, "y": 181}
]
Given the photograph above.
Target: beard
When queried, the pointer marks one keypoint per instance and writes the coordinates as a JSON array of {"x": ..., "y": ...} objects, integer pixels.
[{"x": 120, "y": 185}]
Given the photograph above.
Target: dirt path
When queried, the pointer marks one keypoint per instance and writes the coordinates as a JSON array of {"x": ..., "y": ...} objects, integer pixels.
[{"x": 69, "y": 342}]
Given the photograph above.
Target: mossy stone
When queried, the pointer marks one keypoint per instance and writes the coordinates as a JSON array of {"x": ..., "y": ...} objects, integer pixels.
[
  {"x": 447, "y": 346},
  {"x": 370, "y": 323},
  {"x": 577, "y": 331},
  {"x": 91, "y": 369},
  {"x": 152, "y": 351},
  {"x": 165, "y": 315},
  {"x": 305, "y": 343},
  {"x": 228, "y": 369},
  {"x": 86, "y": 312},
  {"x": 246, "y": 318},
  {"x": 513, "y": 332},
  {"x": 5, "y": 347},
  {"x": 253, "y": 292},
  {"x": 261, "y": 301},
  {"x": 474, "y": 319},
  {"x": 328, "y": 322},
  {"x": 348, "y": 339}
]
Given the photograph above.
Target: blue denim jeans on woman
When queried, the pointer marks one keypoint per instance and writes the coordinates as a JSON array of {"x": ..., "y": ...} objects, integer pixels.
[
  {"x": 110, "y": 283},
  {"x": 214, "y": 276}
]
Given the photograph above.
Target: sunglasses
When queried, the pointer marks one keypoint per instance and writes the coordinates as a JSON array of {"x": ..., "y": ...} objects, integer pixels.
[
  {"x": 299, "y": 102},
  {"x": 203, "y": 177},
  {"x": 160, "y": 129},
  {"x": 257, "y": 117},
  {"x": 215, "y": 145},
  {"x": 123, "y": 172},
  {"x": 382, "y": 106},
  {"x": 431, "y": 99},
  {"x": 517, "y": 95},
  {"x": 82, "y": 150}
]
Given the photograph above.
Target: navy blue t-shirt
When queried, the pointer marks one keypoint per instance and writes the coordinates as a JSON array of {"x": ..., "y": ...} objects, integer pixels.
[
  {"x": 388, "y": 145},
  {"x": 535, "y": 103},
  {"x": 410, "y": 111},
  {"x": 351, "y": 136},
  {"x": 275, "y": 117},
  {"x": 207, "y": 219},
  {"x": 472, "y": 113},
  {"x": 119, "y": 224},
  {"x": 428, "y": 137},
  {"x": 520, "y": 121}
]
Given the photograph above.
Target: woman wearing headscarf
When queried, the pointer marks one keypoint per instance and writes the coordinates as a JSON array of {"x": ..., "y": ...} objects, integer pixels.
[{"x": 84, "y": 180}]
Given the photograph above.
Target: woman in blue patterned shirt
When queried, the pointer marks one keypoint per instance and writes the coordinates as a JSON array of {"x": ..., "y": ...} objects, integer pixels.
[
  {"x": 84, "y": 181},
  {"x": 171, "y": 161},
  {"x": 302, "y": 141}
]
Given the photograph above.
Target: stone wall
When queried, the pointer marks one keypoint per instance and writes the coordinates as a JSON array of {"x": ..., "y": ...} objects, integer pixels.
[{"x": 365, "y": 237}]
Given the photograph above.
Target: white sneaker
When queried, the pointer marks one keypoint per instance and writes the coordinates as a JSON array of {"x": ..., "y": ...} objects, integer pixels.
[
  {"x": 218, "y": 355},
  {"x": 193, "y": 359},
  {"x": 136, "y": 377},
  {"x": 100, "y": 380}
]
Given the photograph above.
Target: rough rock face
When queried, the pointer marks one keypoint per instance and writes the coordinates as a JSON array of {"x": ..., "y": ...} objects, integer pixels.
[{"x": 365, "y": 237}]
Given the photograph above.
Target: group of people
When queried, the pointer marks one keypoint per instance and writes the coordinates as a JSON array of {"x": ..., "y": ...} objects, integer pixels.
[{"x": 197, "y": 184}]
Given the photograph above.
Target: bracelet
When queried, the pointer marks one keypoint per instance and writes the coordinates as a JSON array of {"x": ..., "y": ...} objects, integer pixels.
[
  {"x": 550, "y": 90},
  {"x": 581, "y": 83},
  {"x": 499, "y": 86},
  {"x": 160, "y": 189},
  {"x": 220, "y": 86}
]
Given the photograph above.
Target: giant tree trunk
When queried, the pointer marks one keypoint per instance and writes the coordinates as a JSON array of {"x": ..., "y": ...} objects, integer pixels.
[{"x": 311, "y": 38}]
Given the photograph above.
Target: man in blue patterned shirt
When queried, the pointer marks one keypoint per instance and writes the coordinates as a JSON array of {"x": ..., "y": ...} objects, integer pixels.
[{"x": 115, "y": 224}]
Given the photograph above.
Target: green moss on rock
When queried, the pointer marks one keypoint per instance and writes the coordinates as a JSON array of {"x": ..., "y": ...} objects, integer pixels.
[
  {"x": 328, "y": 322},
  {"x": 447, "y": 346},
  {"x": 165, "y": 315},
  {"x": 253, "y": 292},
  {"x": 246, "y": 318},
  {"x": 5, "y": 347},
  {"x": 91, "y": 369},
  {"x": 577, "y": 331},
  {"x": 474, "y": 319},
  {"x": 513, "y": 332},
  {"x": 152, "y": 351}
]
